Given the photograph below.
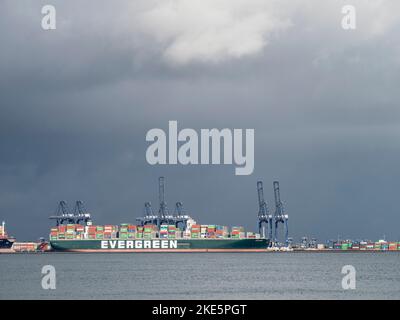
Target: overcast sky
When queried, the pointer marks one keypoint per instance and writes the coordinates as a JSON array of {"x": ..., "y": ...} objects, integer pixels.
[{"x": 76, "y": 104}]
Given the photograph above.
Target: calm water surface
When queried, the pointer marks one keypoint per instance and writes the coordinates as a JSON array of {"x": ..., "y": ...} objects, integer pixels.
[{"x": 201, "y": 276}]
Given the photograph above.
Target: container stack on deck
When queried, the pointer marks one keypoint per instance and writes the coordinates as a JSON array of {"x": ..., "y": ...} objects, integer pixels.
[
  {"x": 139, "y": 233},
  {"x": 110, "y": 232},
  {"x": 149, "y": 231},
  {"x": 127, "y": 231},
  {"x": 238, "y": 233},
  {"x": 195, "y": 231},
  {"x": 165, "y": 231},
  {"x": 172, "y": 230}
]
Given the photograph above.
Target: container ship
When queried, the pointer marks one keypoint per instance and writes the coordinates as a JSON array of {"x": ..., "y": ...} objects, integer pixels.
[{"x": 148, "y": 238}]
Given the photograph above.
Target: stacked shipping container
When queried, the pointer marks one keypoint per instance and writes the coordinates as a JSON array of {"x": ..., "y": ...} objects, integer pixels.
[
  {"x": 237, "y": 233},
  {"x": 197, "y": 231},
  {"x": 149, "y": 231},
  {"x": 364, "y": 245}
]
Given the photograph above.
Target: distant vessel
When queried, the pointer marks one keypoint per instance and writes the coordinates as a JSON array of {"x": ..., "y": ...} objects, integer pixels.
[{"x": 6, "y": 242}]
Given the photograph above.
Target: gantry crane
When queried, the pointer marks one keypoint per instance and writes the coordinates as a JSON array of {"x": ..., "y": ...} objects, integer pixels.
[
  {"x": 280, "y": 216},
  {"x": 63, "y": 214},
  {"x": 163, "y": 215},
  {"x": 148, "y": 215},
  {"x": 80, "y": 213},
  {"x": 264, "y": 218},
  {"x": 163, "y": 210},
  {"x": 179, "y": 216},
  {"x": 148, "y": 210}
]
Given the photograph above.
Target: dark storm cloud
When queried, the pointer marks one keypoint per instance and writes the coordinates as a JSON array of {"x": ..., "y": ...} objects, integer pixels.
[{"x": 77, "y": 102}]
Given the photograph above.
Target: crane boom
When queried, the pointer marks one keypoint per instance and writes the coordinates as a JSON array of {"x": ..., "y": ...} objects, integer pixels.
[{"x": 148, "y": 209}]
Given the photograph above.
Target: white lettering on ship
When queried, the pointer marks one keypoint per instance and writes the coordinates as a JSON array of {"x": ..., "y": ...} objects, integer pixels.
[{"x": 139, "y": 244}]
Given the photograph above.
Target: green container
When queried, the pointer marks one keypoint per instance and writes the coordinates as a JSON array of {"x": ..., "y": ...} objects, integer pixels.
[{"x": 345, "y": 246}]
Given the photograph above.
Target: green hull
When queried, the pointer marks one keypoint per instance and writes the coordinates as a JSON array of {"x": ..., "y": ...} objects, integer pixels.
[{"x": 160, "y": 245}]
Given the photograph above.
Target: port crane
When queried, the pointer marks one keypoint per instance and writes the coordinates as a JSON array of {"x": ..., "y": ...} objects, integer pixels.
[
  {"x": 279, "y": 215},
  {"x": 148, "y": 216},
  {"x": 163, "y": 214},
  {"x": 64, "y": 216},
  {"x": 80, "y": 213},
  {"x": 264, "y": 218},
  {"x": 178, "y": 209},
  {"x": 163, "y": 210},
  {"x": 180, "y": 217},
  {"x": 148, "y": 210}
]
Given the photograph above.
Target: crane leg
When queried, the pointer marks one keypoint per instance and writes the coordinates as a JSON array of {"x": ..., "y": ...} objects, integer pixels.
[
  {"x": 270, "y": 229},
  {"x": 286, "y": 233},
  {"x": 276, "y": 232}
]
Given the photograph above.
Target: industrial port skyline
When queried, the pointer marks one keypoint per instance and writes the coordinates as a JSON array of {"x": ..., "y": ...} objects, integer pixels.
[{"x": 269, "y": 220}]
